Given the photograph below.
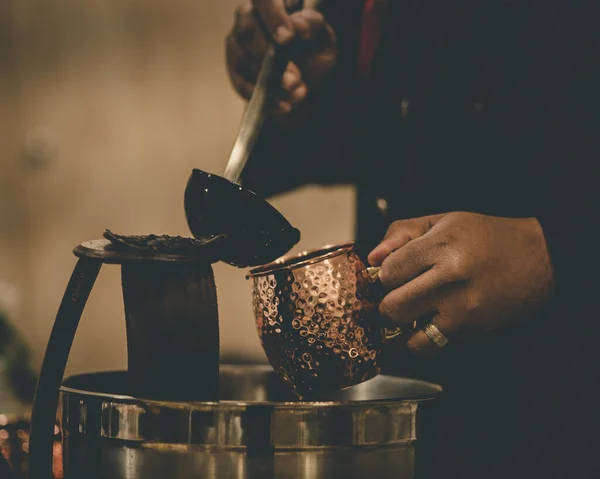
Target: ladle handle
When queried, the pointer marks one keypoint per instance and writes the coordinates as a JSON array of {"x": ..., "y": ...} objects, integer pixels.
[
  {"x": 43, "y": 416},
  {"x": 269, "y": 80}
]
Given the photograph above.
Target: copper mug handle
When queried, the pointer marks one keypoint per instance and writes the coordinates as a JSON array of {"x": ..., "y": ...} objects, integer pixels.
[{"x": 391, "y": 332}]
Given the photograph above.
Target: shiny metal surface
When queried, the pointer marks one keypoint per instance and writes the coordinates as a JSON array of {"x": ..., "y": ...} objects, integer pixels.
[
  {"x": 255, "y": 231},
  {"x": 252, "y": 121},
  {"x": 257, "y": 430},
  {"x": 433, "y": 333},
  {"x": 317, "y": 318}
]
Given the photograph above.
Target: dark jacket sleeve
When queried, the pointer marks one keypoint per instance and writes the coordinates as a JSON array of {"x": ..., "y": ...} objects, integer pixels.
[
  {"x": 572, "y": 209},
  {"x": 318, "y": 148}
]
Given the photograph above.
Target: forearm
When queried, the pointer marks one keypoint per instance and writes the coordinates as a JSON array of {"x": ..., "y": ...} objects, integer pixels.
[
  {"x": 571, "y": 214},
  {"x": 572, "y": 200},
  {"x": 569, "y": 225}
]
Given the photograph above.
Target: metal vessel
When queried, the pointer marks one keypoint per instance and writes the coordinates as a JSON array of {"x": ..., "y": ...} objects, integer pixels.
[
  {"x": 257, "y": 429},
  {"x": 177, "y": 413},
  {"x": 317, "y": 318}
]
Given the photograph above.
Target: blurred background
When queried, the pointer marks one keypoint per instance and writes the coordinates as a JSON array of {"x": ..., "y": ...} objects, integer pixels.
[{"x": 105, "y": 108}]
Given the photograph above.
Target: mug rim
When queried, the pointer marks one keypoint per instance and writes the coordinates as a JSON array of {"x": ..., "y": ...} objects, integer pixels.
[{"x": 305, "y": 258}]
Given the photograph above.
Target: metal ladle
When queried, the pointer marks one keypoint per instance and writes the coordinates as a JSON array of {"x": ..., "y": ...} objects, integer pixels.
[{"x": 256, "y": 232}]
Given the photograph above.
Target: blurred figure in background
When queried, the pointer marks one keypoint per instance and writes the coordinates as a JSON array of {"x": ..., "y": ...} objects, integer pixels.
[
  {"x": 469, "y": 129},
  {"x": 17, "y": 388}
]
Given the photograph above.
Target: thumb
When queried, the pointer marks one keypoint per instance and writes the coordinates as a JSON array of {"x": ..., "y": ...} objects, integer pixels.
[{"x": 399, "y": 233}]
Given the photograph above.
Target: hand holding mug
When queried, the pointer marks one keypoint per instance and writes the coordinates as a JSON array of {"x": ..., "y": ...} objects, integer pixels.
[{"x": 466, "y": 273}]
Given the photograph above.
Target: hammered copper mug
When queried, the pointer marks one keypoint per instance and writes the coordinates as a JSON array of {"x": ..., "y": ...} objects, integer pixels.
[{"x": 317, "y": 319}]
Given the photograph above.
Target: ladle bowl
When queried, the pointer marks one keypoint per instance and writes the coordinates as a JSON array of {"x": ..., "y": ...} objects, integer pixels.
[{"x": 256, "y": 233}]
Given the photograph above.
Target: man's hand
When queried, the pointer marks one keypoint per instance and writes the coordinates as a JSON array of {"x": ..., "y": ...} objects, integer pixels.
[
  {"x": 246, "y": 45},
  {"x": 471, "y": 273}
]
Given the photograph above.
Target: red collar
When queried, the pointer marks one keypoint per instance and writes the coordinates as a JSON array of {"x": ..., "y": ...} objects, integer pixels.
[{"x": 370, "y": 35}]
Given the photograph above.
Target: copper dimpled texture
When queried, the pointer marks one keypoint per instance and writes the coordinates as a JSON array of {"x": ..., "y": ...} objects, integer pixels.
[{"x": 317, "y": 326}]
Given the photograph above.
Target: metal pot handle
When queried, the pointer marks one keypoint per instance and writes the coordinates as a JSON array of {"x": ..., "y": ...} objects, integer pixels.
[{"x": 43, "y": 416}]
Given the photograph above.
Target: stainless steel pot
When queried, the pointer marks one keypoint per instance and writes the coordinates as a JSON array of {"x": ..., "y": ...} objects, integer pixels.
[{"x": 257, "y": 430}]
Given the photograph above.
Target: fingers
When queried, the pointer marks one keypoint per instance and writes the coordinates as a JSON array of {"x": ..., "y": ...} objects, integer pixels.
[
  {"x": 293, "y": 84},
  {"x": 276, "y": 19},
  {"x": 414, "y": 300},
  {"x": 407, "y": 263},
  {"x": 245, "y": 48},
  {"x": 242, "y": 68},
  {"x": 293, "y": 90},
  {"x": 399, "y": 234},
  {"x": 247, "y": 43},
  {"x": 248, "y": 33},
  {"x": 420, "y": 289},
  {"x": 420, "y": 343},
  {"x": 310, "y": 26}
]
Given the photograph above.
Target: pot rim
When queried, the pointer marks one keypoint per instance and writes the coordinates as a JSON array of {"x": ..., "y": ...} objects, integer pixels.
[
  {"x": 240, "y": 425},
  {"x": 305, "y": 258},
  {"x": 243, "y": 370}
]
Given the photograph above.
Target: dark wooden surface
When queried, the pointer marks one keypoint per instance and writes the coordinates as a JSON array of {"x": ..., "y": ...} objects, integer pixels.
[{"x": 172, "y": 330}]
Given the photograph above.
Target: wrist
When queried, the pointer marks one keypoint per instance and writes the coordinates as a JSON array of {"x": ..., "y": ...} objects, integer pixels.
[{"x": 545, "y": 275}]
